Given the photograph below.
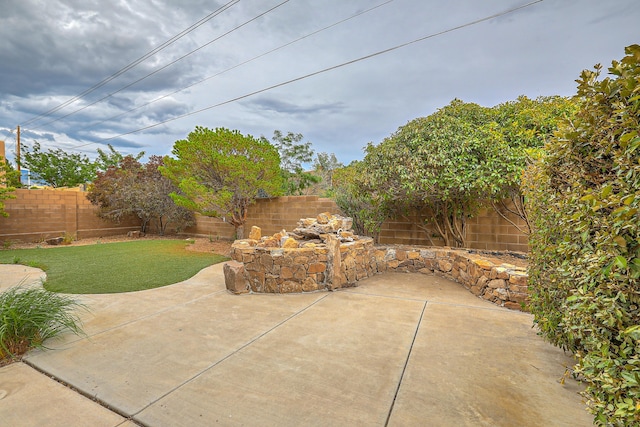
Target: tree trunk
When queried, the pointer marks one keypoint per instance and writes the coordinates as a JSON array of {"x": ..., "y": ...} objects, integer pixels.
[
  {"x": 240, "y": 231},
  {"x": 518, "y": 209},
  {"x": 161, "y": 226}
]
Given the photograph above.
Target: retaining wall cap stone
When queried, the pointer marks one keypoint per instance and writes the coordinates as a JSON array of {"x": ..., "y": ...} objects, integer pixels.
[{"x": 483, "y": 263}]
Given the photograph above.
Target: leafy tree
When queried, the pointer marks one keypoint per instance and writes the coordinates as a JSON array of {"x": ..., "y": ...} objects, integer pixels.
[
  {"x": 526, "y": 125},
  {"x": 356, "y": 198},
  {"x": 584, "y": 272},
  {"x": 324, "y": 166},
  {"x": 220, "y": 173},
  {"x": 57, "y": 168},
  {"x": 293, "y": 155},
  {"x": 111, "y": 190},
  {"x": 112, "y": 158},
  {"x": 135, "y": 189},
  {"x": 8, "y": 180},
  {"x": 155, "y": 202},
  {"x": 444, "y": 166},
  {"x": 448, "y": 165}
]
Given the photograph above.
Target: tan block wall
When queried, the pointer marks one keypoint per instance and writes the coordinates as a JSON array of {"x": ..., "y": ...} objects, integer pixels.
[
  {"x": 406, "y": 231},
  {"x": 486, "y": 231},
  {"x": 214, "y": 228},
  {"x": 38, "y": 214},
  {"x": 489, "y": 231},
  {"x": 35, "y": 215},
  {"x": 271, "y": 215}
]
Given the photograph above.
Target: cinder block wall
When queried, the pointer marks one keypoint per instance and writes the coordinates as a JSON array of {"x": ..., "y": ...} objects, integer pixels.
[
  {"x": 38, "y": 214},
  {"x": 486, "y": 231},
  {"x": 406, "y": 231},
  {"x": 489, "y": 231},
  {"x": 271, "y": 215},
  {"x": 35, "y": 215},
  {"x": 215, "y": 228}
]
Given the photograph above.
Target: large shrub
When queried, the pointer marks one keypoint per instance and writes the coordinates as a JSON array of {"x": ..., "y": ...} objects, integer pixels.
[
  {"x": 358, "y": 199},
  {"x": 585, "y": 246},
  {"x": 444, "y": 166},
  {"x": 526, "y": 124},
  {"x": 131, "y": 188}
]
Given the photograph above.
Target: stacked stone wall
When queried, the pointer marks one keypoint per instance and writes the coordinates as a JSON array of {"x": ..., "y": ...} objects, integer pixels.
[
  {"x": 309, "y": 269},
  {"x": 500, "y": 283},
  {"x": 280, "y": 270},
  {"x": 305, "y": 269}
]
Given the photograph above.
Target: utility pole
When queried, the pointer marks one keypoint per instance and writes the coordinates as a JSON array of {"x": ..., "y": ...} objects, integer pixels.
[{"x": 18, "y": 154}]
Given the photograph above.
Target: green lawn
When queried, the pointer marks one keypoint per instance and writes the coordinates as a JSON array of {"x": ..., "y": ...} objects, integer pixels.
[{"x": 113, "y": 267}]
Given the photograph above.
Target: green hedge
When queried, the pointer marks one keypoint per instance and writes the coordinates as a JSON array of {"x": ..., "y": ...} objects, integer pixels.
[{"x": 585, "y": 248}]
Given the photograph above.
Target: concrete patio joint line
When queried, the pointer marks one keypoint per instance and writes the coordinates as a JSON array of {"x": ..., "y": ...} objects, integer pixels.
[
  {"x": 406, "y": 363},
  {"x": 79, "y": 391},
  {"x": 242, "y": 347}
]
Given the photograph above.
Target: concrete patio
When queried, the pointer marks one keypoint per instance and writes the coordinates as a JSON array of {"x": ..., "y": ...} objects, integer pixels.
[{"x": 398, "y": 350}]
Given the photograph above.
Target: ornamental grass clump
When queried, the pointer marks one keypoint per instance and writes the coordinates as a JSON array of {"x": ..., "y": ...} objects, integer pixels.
[{"x": 31, "y": 315}]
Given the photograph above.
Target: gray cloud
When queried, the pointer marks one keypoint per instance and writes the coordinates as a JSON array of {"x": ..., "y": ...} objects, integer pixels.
[
  {"x": 279, "y": 106},
  {"x": 54, "y": 50}
]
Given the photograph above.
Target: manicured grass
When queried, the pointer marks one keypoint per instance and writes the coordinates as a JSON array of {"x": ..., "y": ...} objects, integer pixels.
[{"x": 113, "y": 267}]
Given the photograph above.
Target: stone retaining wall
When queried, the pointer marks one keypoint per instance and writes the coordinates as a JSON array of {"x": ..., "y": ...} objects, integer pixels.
[
  {"x": 317, "y": 268},
  {"x": 502, "y": 284},
  {"x": 309, "y": 268}
]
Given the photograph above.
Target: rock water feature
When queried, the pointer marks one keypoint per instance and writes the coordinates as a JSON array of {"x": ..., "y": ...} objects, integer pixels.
[{"x": 323, "y": 253}]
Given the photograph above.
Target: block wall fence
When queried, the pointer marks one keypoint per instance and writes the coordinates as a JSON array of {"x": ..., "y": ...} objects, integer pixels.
[{"x": 35, "y": 215}]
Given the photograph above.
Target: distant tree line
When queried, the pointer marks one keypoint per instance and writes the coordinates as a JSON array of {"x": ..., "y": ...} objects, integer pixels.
[{"x": 216, "y": 172}]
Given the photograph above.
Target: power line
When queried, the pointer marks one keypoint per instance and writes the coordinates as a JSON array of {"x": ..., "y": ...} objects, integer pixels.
[
  {"x": 7, "y": 135},
  {"x": 239, "y": 65},
  {"x": 137, "y": 61},
  {"x": 167, "y": 65},
  {"x": 353, "y": 61}
]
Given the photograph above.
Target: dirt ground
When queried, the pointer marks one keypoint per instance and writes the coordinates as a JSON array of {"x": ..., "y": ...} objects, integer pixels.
[{"x": 201, "y": 244}]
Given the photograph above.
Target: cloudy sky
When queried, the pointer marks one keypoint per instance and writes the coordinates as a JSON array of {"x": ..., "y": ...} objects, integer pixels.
[{"x": 80, "y": 74}]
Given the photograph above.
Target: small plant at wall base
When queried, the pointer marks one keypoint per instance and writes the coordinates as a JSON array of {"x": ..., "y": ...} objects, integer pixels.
[
  {"x": 584, "y": 269},
  {"x": 68, "y": 238},
  {"x": 31, "y": 315}
]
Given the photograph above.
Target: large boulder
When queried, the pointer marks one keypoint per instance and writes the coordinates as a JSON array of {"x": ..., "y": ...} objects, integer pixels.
[{"x": 234, "y": 277}]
